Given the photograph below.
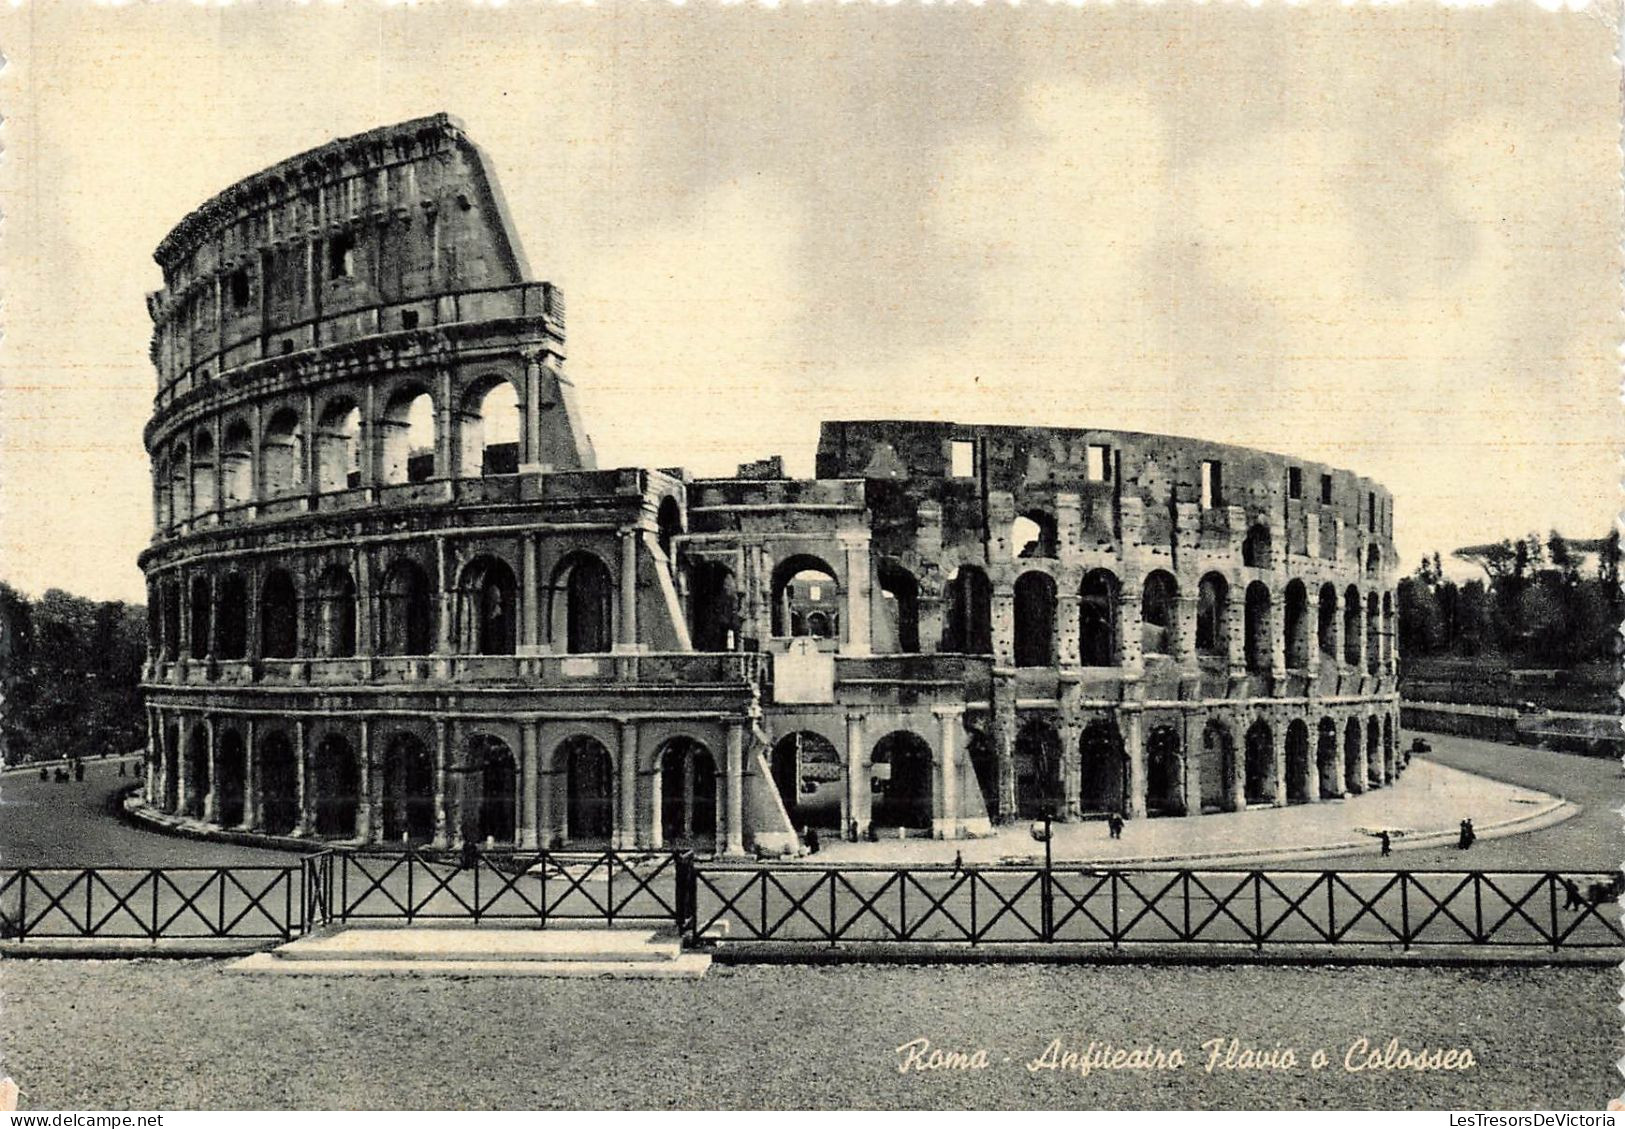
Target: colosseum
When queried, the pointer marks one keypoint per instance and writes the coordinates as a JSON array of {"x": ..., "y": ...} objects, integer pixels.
[{"x": 397, "y": 601}]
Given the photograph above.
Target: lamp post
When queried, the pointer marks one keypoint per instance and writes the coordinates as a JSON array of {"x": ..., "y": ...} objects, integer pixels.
[{"x": 1044, "y": 832}]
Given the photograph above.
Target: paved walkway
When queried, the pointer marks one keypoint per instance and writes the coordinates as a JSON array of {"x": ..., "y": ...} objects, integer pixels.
[{"x": 1426, "y": 806}]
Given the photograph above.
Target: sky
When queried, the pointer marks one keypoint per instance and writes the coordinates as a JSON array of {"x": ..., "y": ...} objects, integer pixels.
[{"x": 1382, "y": 237}]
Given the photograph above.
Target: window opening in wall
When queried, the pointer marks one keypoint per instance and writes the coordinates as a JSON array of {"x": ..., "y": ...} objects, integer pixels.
[
  {"x": 1212, "y": 484},
  {"x": 1371, "y": 512},
  {"x": 241, "y": 292},
  {"x": 341, "y": 256},
  {"x": 962, "y": 458},
  {"x": 1325, "y": 489},
  {"x": 1294, "y": 482},
  {"x": 1099, "y": 463},
  {"x": 409, "y": 319}
]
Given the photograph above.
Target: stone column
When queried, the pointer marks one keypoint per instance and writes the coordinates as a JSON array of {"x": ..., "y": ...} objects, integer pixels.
[
  {"x": 1191, "y": 725},
  {"x": 946, "y": 824},
  {"x": 251, "y": 776},
  {"x": 445, "y": 581},
  {"x": 628, "y": 623},
  {"x": 155, "y": 753},
  {"x": 366, "y": 627},
  {"x": 301, "y": 776},
  {"x": 1071, "y": 735},
  {"x": 627, "y": 799},
  {"x": 308, "y": 460},
  {"x": 857, "y": 776},
  {"x": 1235, "y": 629},
  {"x": 527, "y": 783},
  {"x": 734, "y": 830},
  {"x": 363, "y": 810},
  {"x": 367, "y": 439},
  {"x": 1067, "y": 645},
  {"x": 1360, "y": 770},
  {"x": 213, "y": 646},
  {"x": 1185, "y": 626},
  {"x": 446, "y": 462},
  {"x": 1134, "y": 763},
  {"x": 442, "y": 749},
  {"x": 256, "y": 472},
  {"x": 1238, "y": 765},
  {"x": 1278, "y": 741},
  {"x": 1003, "y": 613},
  {"x": 1004, "y": 744},
  {"x": 855, "y": 622},
  {"x": 530, "y": 595},
  {"x": 1278, "y": 642}
]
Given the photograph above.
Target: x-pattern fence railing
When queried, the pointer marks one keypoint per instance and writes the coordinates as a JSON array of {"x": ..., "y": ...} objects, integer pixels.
[
  {"x": 1012, "y": 905},
  {"x": 828, "y": 906}
]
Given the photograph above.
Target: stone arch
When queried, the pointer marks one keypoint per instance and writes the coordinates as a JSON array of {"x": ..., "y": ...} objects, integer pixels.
[
  {"x": 808, "y": 773},
  {"x": 1298, "y": 770},
  {"x": 1295, "y": 625},
  {"x": 1033, "y": 536},
  {"x": 668, "y": 526},
  {"x": 688, "y": 792},
  {"x": 336, "y": 785},
  {"x": 489, "y": 604},
  {"x": 898, "y": 625},
  {"x": 1164, "y": 772},
  {"x": 1098, "y": 598},
  {"x": 713, "y": 605},
  {"x": 1212, "y": 616},
  {"x": 491, "y": 427},
  {"x": 1374, "y": 760},
  {"x": 335, "y": 613},
  {"x": 984, "y": 763},
  {"x": 237, "y": 463},
  {"x": 170, "y": 628},
  {"x": 197, "y": 770},
  {"x": 490, "y": 813},
  {"x": 1038, "y": 769},
  {"x": 1260, "y": 778},
  {"x": 1387, "y": 630},
  {"x": 180, "y": 482},
  {"x": 1373, "y": 634},
  {"x": 906, "y": 798},
  {"x": 1328, "y": 621},
  {"x": 1351, "y": 626},
  {"x": 581, "y": 599},
  {"x": 279, "y": 783},
  {"x": 282, "y": 455},
  {"x": 1331, "y": 782},
  {"x": 803, "y": 584},
  {"x": 1373, "y": 560},
  {"x": 171, "y": 800},
  {"x": 408, "y": 439},
  {"x": 1352, "y": 779},
  {"x": 406, "y": 610},
  {"x": 968, "y": 626},
  {"x": 1102, "y": 779},
  {"x": 1218, "y": 766},
  {"x": 1389, "y": 759},
  {"x": 231, "y": 632},
  {"x": 408, "y": 809},
  {"x": 1259, "y": 628},
  {"x": 1256, "y": 548},
  {"x": 1035, "y": 619},
  {"x": 279, "y": 615},
  {"x": 589, "y": 789},
  {"x": 230, "y": 773},
  {"x": 203, "y": 472},
  {"x": 338, "y": 446},
  {"x": 202, "y": 597},
  {"x": 1158, "y": 600}
]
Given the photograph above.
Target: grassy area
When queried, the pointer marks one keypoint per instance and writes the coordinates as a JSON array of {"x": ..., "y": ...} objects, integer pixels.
[{"x": 1490, "y": 680}]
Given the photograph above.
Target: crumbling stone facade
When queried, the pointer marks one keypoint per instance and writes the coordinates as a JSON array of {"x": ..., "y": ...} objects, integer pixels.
[{"x": 394, "y": 600}]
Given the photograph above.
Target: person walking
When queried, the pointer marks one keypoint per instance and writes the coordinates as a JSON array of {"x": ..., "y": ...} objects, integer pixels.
[
  {"x": 1387, "y": 843},
  {"x": 1114, "y": 824}
]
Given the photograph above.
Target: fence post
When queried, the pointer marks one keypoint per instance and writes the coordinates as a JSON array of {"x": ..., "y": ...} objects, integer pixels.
[
  {"x": 1551, "y": 889},
  {"x": 834, "y": 923},
  {"x": 974, "y": 932},
  {"x": 1478, "y": 908},
  {"x": 1405, "y": 910},
  {"x": 1258, "y": 909},
  {"x": 1116, "y": 924},
  {"x": 1046, "y": 906},
  {"x": 1331, "y": 905},
  {"x": 153, "y": 874},
  {"x": 22, "y": 904}
]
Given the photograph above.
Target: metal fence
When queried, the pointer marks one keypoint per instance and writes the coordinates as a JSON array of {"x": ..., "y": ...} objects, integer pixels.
[
  {"x": 1256, "y": 908},
  {"x": 158, "y": 903}
]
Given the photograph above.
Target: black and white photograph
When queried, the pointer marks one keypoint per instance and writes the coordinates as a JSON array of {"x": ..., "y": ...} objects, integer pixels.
[{"x": 810, "y": 556}]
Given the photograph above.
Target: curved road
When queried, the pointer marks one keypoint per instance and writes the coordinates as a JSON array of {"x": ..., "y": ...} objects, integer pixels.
[{"x": 75, "y": 824}]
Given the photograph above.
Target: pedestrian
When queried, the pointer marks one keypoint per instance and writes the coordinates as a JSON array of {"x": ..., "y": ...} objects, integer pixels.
[
  {"x": 1115, "y": 825},
  {"x": 851, "y": 831},
  {"x": 123, "y": 769},
  {"x": 470, "y": 853},
  {"x": 1387, "y": 843},
  {"x": 1472, "y": 836},
  {"x": 959, "y": 862},
  {"x": 1466, "y": 839},
  {"x": 812, "y": 840},
  {"x": 79, "y": 770}
]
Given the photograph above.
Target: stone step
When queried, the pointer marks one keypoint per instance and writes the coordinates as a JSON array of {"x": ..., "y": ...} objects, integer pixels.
[
  {"x": 686, "y": 966},
  {"x": 483, "y": 945}
]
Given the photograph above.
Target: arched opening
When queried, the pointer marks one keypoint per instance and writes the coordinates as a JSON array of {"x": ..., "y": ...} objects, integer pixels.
[
  {"x": 163, "y": 472},
  {"x": 489, "y": 608},
  {"x": 171, "y": 766},
  {"x": 338, "y": 447},
  {"x": 810, "y": 778},
  {"x": 405, "y": 611},
  {"x": 489, "y": 815},
  {"x": 1032, "y": 535},
  {"x": 230, "y": 769},
  {"x": 408, "y": 791},
  {"x": 898, "y": 629},
  {"x": 589, "y": 788},
  {"x": 1353, "y": 780},
  {"x": 279, "y": 784},
  {"x": 1297, "y": 626},
  {"x": 984, "y": 763},
  {"x": 1218, "y": 767},
  {"x": 237, "y": 464},
  {"x": 969, "y": 622},
  {"x": 1389, "y": 760},
  {"x": 1328, "y": 621},
  {"x": 1255, "y": 549},
  {"x": 803, "y": 585},
  {"x": 197, "y": 772},
  {"x": 203, "y": 471},
  {"x": 901, "y": 769},
  {"x": 1373, "y": 634},
  {"x": 713, "y": 602},
  {"x": 1373, "y": 560},
  {"x": 407, "y": 434},
  {"x": 669, "y": 526},
  {"x": 279, "y": 616},
  {"x": 582, "y": 606},
  {"x": 1374, "y": 761},
  {"x": 171, "y": 613},
  {"x": 231, "y": 633},
  {"x": 1037, "y": 762},
  {"x": 202, "y": 606},
  {"x": 180, "y": 482},
  {"x": 1297, "y": 763},
  {"x": 1098, "y": 644},
  {"x": 688, "y": 793},
  {"x": 1258, "y": 628},
  {"x": 282, "y": 455},
  {"x": 1387, "y": 630},
  {"x": 335, "y": 624},
  {"x": 1035, "y": 619},
  {"x": 1102, "y": 780},
  {"x": 1331, "y": 783},
  {"x": 1158, "y": 600},
  {"x": 1351, "y": 626},
  {"x": 1260, "y": 782},
  {"x": 490, "y": 429},
  {"x": 1212, "y": 607},
  {"x": 1164, "y": 788},
  {"x": 338, "y": 788}
]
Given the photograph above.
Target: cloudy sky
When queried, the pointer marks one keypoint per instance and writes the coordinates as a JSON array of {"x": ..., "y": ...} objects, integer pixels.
[{"x": 1386, "y": 238}]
